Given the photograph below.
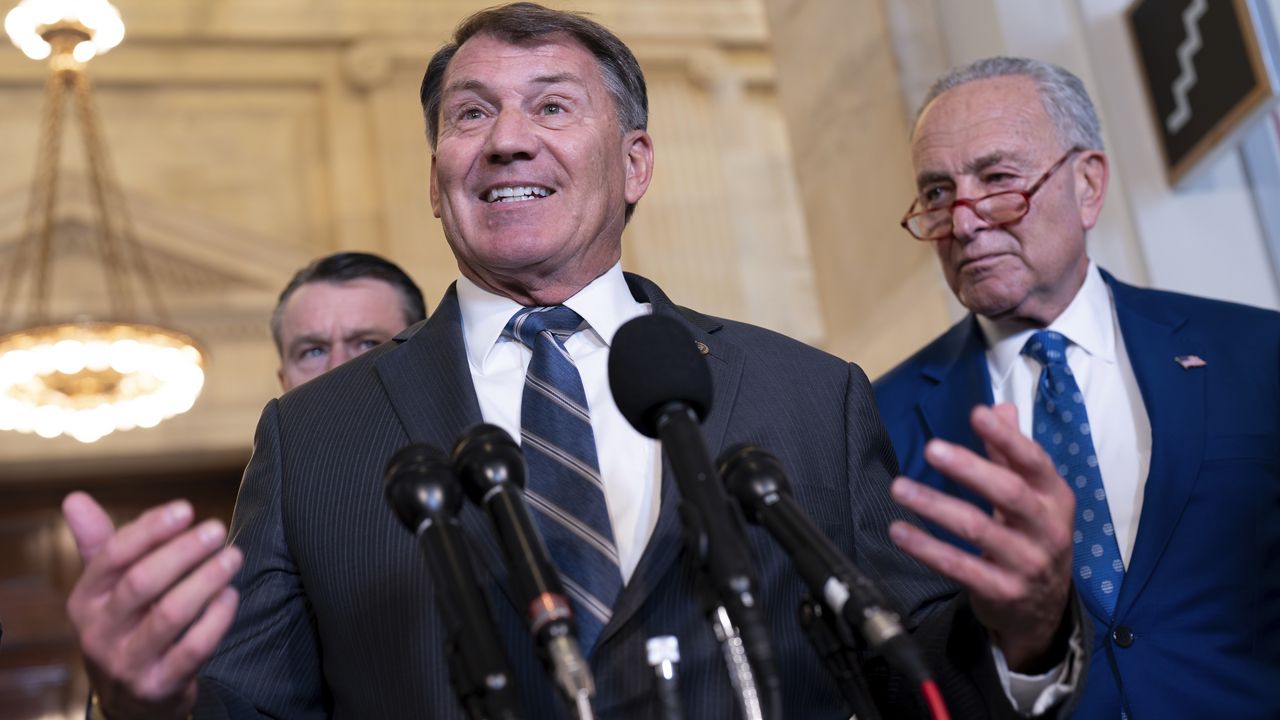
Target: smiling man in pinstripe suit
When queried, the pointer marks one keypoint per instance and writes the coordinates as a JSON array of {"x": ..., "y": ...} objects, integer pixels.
[{"x": 537, "y": 120}]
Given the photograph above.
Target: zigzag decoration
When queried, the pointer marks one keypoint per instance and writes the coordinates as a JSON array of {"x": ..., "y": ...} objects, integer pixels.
[{"x": 1187, "y": 79}]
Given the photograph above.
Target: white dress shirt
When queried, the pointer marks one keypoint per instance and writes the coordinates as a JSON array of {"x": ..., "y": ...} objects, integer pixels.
[
  {"x": 1118, "y": 421},
  {"x": 1118, "y": 425},
  {"x": 630, "y": 463}
]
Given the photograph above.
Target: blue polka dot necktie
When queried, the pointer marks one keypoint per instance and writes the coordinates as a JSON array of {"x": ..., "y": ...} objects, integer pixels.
[
  {"x": 1061, "y": 426},
  {"x": 564, "y": 487}
]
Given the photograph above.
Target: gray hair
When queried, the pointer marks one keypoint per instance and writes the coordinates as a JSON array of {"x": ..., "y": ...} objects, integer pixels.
[{"x": 1065, "y": 100}]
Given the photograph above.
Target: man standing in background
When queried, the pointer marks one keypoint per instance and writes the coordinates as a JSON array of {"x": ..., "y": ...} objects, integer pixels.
[
  {"x": 337, "y": 307},
  {"x": 1161, "y": 410}
]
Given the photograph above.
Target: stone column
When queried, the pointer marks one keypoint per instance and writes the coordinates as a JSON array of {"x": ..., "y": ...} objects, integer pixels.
[{"x": 879, "y": 290}]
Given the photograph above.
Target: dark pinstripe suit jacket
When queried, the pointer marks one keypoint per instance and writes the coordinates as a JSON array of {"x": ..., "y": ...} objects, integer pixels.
[{"x": 337, "y": 616}]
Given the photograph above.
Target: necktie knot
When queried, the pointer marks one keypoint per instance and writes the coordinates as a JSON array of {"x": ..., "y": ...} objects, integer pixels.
[
  {"x": 1048, "y": 348},
  {"x": 528, "y": 323}
]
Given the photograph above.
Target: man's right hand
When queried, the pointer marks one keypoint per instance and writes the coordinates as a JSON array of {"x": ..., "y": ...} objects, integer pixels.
[{"x": 151, "y": 605}]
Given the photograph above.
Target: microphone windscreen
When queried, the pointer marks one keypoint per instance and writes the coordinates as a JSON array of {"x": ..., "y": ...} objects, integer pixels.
[
  {"x": 751, "y": 474},
  {"x": 419, "y": 482},
  {"x": 485, "y": 455},
  {"x": 654, "y": 362}
]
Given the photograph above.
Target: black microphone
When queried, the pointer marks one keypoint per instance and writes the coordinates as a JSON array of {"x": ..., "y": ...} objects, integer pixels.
[
  {"x": 756, "y": 478},
  {"x": 420, "y": 486},
  {"x": 492, "y": 470},
  {"x": 662, "y": 386}
]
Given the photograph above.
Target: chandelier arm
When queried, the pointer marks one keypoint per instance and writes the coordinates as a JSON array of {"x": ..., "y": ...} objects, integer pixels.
[
  {"x": 46, "y": 159},
  {"x": 41, "y": 290},
  {"x": 129, "y": 258},
  {"x": 132, "y": 256},
  {"x": 132, "y": 252},
  {"x": 17, "y": 268},
  {"x": 142, "y": 266},
  {"x": 43, "y": 186},
  {"x": 119, "y": 294}
]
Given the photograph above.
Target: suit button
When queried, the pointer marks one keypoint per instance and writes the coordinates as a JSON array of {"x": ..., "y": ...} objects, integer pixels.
[{"x": 1122, "y": 635}]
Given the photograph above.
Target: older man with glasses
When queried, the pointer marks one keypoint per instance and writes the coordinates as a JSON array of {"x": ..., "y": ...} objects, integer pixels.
[{"x": 1159, "y": 410}]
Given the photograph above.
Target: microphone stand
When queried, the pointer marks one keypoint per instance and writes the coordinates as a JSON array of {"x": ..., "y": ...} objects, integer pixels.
[
  {"x": 735, "y": 658},
  {"x": 732, "y": 648},
  {"x": 762, "y": 488},
  {"x": 470, "y": 693},
  {"x": 477, "y": 666},
  {"x": 829, "y": 641},
  {"x": 663, "y": 388},
  {"x": 663, "y": 653},
  {"x": 491, "y": 467},
  {"x": 426, "y": 496}
]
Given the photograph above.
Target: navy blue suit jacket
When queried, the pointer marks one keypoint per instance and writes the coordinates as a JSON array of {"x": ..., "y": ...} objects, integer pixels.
[
  {"x": 337, "y": 614},
  {"x": 1201, "y": 596}
]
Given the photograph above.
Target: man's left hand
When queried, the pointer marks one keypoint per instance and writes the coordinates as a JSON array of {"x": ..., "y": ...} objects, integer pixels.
[{"x": 1019, "y": 586}]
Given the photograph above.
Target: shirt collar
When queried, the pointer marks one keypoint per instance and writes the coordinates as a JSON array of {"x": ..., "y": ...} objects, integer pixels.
[
  {"x": 605, "y": 303},
  {"x": 1088, "y": 322}
]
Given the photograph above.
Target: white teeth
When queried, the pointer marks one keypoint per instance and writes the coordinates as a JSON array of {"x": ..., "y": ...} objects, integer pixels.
[{"x": 515, "y": 194}]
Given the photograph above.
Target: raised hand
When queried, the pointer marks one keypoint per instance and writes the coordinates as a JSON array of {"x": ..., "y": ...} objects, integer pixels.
[
  {"x": 1019, "y": 586},
  {"x": 150, "y": 606}
]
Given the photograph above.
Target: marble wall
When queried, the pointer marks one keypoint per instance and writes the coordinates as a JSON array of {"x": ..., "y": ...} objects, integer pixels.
[{"x": 879, "y": 290}]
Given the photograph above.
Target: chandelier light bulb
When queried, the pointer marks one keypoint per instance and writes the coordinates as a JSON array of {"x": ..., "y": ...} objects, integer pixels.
[
  {"x": 84, "y": 51},
  {"x": 48, "y": 12},
  {"x": 36, "y": 49},
  {"x": 68, "y": 356},
  {"x": 19, "y": 25}
]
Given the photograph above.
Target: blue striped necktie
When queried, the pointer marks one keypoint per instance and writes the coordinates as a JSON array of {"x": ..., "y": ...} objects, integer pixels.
[
  {"x": 1061, "y": 427},
  {"x": 564, "y": 487}
]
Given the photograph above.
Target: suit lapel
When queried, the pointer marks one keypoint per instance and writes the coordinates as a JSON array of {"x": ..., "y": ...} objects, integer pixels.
[
  {"x": 427, "y": 380},
  {"x": 428, "y": 384},
  {"x": 1175, "y": 404},
  {"x": 961, "y": 380},
  {"x": 665, "y": 545}
]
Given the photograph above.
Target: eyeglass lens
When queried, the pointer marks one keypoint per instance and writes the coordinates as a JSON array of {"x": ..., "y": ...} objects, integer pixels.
[{"x": 1000, "y": 208}]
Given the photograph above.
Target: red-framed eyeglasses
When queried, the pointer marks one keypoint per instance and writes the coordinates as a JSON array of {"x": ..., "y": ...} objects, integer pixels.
[{"x": 1001, "y": 208}]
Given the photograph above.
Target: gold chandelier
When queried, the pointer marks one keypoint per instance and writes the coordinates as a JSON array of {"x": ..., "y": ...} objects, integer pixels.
[{"x": 77, "y": 375}]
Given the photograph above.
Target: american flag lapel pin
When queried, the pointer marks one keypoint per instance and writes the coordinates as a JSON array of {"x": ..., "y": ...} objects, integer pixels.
[{"x": 1189, "y": 361}]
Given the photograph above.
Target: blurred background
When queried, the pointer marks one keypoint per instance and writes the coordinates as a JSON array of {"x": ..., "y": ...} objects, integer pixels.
[{"x": 250, "y": 136}]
